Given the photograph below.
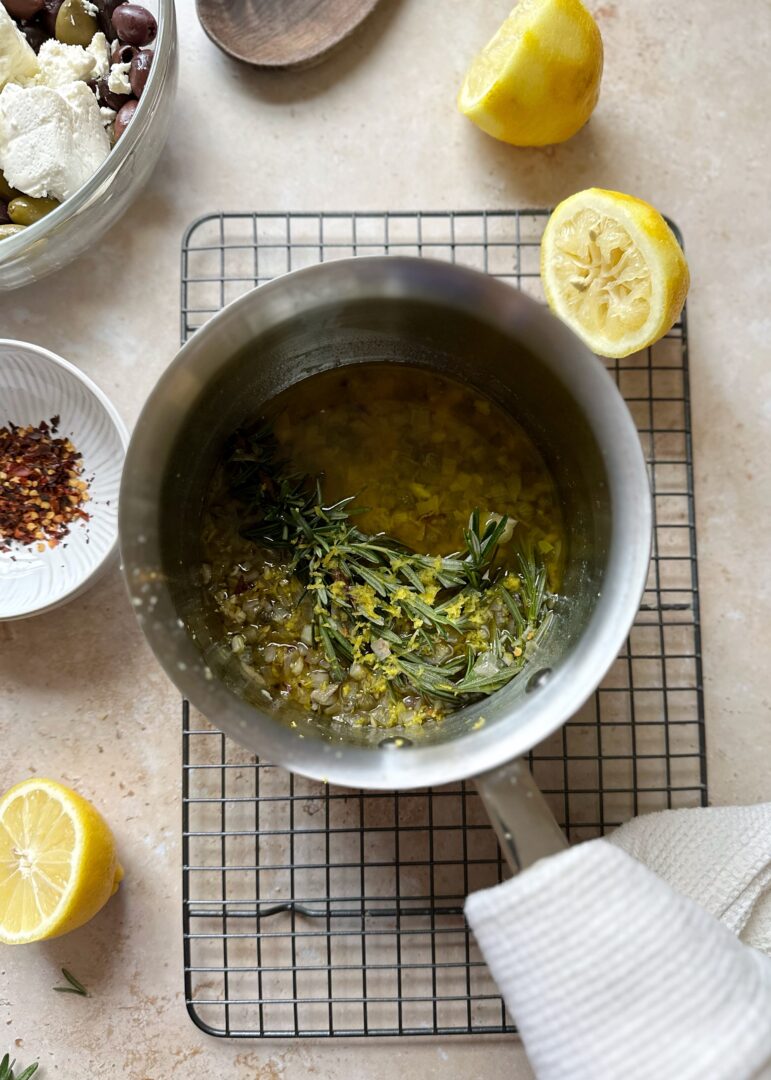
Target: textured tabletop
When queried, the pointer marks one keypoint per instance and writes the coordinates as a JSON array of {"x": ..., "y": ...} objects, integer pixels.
[{"x": 680, "y": 124}]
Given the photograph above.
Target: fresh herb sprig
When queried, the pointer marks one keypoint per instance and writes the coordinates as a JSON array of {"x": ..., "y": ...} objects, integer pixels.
[
  {"x": 451, "y": 627},
  {"x": 7, "y": 1067},
  {"x": 75, "y": 987}
]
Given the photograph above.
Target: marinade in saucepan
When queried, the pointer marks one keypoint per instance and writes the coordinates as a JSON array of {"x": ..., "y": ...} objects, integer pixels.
[{"x": 382, "y": 547}]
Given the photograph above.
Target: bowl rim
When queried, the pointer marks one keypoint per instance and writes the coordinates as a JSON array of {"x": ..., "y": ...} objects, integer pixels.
[
  {"x": 123, "y": 434},
  {"x": 14, "y": 246}
]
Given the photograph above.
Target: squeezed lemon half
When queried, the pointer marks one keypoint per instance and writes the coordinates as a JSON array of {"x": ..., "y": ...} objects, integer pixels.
[
  {"x": 58, "y": 864},
  {"x": 537, "y": 81},
  {"x": 613, "y": 271}
]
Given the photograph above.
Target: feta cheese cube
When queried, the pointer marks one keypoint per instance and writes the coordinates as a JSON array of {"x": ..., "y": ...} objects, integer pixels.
[
  {"x": 51, "y": 140},
  {"x": 35, "y": 134},
  {"x": 90, "y": 142},
  {"x": 101, "y": 54},
  {"x": 118, "y": 80},
  {"x": 17, "y": 57},
  {"x": 61, "y": 64}
]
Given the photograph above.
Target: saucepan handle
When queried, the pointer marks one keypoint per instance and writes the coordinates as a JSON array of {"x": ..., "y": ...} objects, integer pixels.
[{"x": 524, "y": 824}]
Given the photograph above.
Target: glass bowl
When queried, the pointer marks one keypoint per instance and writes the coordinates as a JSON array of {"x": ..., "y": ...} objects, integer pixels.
[{"x": 86, "y": 216}]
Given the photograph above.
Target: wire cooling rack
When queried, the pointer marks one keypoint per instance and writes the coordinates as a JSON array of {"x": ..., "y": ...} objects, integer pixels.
[{"x": 317, "y": 911}]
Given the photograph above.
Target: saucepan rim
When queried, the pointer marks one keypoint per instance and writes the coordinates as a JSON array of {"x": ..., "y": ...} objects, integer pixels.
[{"x": 569, "y": 685}]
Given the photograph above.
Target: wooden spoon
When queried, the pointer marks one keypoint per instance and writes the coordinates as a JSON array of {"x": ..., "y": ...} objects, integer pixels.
[{"x": 281, "y": 33}]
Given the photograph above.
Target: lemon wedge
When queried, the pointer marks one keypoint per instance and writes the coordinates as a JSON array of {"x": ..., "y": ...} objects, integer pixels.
[
  {"x": 58, "y": 864},
  {"x": 537, "y": 81},
  {"x": 613, "y": 271}
]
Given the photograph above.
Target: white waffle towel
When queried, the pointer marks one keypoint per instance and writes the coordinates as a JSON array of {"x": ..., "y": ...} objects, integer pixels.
[{"x": 641, "y": 957}]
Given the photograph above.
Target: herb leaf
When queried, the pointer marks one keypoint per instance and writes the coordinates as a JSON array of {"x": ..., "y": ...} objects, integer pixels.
[
  {"x": 453, "y": 628},
  {"x": 7, "y": 1073},
  {"x": 75, "y": 987}
]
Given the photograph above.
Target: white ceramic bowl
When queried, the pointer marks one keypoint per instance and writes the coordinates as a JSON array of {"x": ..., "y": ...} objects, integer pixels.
[{"x": 36, "y": 385}]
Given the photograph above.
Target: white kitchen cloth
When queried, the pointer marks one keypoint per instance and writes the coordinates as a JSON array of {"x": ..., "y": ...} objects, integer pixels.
[{"x": 614, "y": 972}]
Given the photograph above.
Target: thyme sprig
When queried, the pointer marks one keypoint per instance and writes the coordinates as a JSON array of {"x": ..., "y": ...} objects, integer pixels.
[{"x": 452, "y": 627}]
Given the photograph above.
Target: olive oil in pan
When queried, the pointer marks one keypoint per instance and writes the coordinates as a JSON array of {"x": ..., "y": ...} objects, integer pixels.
[{"x": 382, "y": 548}]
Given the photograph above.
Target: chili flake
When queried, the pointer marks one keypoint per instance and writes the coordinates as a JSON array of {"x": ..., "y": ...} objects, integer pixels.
[{"x": 42, "y": 490}]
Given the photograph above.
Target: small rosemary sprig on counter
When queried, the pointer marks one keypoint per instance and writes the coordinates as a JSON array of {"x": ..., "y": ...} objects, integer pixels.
[
  {"x": 75, "y": 987},
  {"x": 453, "y": 627},
  {"x": 7, "y": 1073}
]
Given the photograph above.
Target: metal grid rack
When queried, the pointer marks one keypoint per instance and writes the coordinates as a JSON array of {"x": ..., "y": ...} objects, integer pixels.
[{"x": 316, "y": 911}]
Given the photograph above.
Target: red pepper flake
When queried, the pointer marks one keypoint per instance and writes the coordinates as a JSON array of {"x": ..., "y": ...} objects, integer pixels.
[{"x": 42, "y": 490}]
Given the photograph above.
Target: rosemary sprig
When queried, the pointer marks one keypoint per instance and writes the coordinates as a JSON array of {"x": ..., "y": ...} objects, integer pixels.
[
  {"x": 75, "y": 987},
  {"x": 454, "y": 627},
  {"x": 7, "y": 1066}
]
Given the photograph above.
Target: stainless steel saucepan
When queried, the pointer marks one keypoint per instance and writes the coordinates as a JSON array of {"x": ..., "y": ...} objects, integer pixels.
[{"x": 489, "y": 335}]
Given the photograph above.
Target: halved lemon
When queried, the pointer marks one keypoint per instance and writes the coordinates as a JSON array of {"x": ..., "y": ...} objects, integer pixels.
[
  {"x": 613, "y": 271},
  {"x": 58, "y": 864},
  {"x": 537, "y": 81}
]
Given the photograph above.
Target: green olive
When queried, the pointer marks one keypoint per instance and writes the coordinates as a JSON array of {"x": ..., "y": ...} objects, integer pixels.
[
  {"x": 6, "y": 191},
  {"x": 10, "y": 230},
  {"x": 74, "y": 25},
  {"x": 26, "y": 211}
]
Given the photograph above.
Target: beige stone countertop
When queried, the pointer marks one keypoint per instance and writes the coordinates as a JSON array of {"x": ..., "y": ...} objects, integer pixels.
[{"x": 681, "y": 122}]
